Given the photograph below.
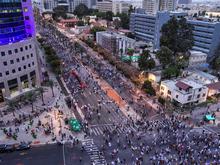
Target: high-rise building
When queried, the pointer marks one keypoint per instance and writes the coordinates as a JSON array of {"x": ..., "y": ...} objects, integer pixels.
[
  {"x": 104, "y": 5},
  {"x": 19, "y": 70},
  {"x": 147, "y": 27},
  {"x": 152, "y": 6}
]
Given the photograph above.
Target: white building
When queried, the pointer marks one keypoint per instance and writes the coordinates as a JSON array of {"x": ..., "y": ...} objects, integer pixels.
[
  {"x": 197, "y": 58},
  {"x": 119, "y": 6},
  {"x": 114, "y": 42},
  {"x": 104, "y": 6},
  {"x": 152, "y": 6},
  {"x": 199, "y": 76},
  {"x": 183, "y": 91}
]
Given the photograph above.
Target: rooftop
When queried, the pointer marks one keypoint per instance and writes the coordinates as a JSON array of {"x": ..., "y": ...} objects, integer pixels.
[{"x": 215, "y": 86}]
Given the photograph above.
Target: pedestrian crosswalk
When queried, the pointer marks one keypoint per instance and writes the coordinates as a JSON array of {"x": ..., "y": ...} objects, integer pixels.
[
  {"x": 99, "y": 129},
  {"x": 93, "y": 151}
]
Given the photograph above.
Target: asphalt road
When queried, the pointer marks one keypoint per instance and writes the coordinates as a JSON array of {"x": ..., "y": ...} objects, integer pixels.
[{"x": 46, "y": 155}]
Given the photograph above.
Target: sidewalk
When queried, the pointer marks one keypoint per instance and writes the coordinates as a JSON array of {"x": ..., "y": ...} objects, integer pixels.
[{"x": 47, "y": 119}]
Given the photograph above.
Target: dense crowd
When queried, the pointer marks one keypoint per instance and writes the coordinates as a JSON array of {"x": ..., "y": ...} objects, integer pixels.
[{"x": 165, "y": 141}]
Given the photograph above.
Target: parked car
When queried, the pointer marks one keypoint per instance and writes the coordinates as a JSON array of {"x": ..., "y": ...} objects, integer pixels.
[
  {"x": 23, "y": 146},
  {"x": 2, "y": 147}
]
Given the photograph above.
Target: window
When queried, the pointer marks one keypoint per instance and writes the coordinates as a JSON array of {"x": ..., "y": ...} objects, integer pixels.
[
  {"x": 16, "y": 50},
  {"x": 23, "y": 58},
  {"x": 28, "y": 56},
  {"x": 162, "y": 88},
  {"x": 189, "y": 98},
  {"x": 2, "y": 53},
  {"x": 203, "y": 95},
  {"x": 200, "y": 89},
  {"x": 24, "y": 66},
  {"x": 29, "y": 65},
  {"x": 33, "y": 63},
  {"x": 26, "y": 17},
  {"x": 31, "y": 54},
  {"x": 30, "y": 46},
  {"x": 198, "y": 96},
  {"x": 7, "y": 72},
  {"x": 169, "y": 92},
  {"x": 19, "y": 69},
  {"x": 25, "y": 9},
  {"x": 5, "y": 63},
  {"x": 9, "y": 52},
  {"x": 177, "y": 96},
  {"x": 12, "y": 61},
  {"x": 26, "y": 47},
  {"x": 18, "y": 60},
  {"x": 13, "y": 70},
  {"x": 21, "y": 49},
  {"x": 0, "y": 74}
]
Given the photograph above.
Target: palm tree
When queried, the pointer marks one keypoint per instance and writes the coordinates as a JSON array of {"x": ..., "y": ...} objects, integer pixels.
[
  {"x": 31, "y": 97},
  {"x": 51, "y": 84},
  {"x": 11, "y": 104},
  {"x": 41, "y": 91}
]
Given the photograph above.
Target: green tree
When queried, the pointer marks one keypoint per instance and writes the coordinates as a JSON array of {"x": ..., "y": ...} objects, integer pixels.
[
  {"x": 165, "y": 56},
  {"x": 148, "y": 88},
  {"x": 171, "y": 71},
  {"x": 31, "y": 97},
  {"x": 124, "y": 20},
  {"x": 177, "y": 35},
  {"x": 80, "y": 23},
  {"x": 41, "y": 92},
  {"x": 117, "y": 23},
  {"x": 81, "y": 10},
  {"x": 109, "y": 15},
  {"x": 96, "y": 29},
  {"x": 51, "y": 84},
  {"x": 215, "y": 63},
  {"x": 131, "y": 9},
  {"x": 59, "y": 11},
  {"x": 11, "y": 104},
  {"x": 145, "y": 62}
]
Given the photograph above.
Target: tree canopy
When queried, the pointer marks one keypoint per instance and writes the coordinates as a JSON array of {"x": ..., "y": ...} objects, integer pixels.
[
  {"x": 177, "y": 35},
  {"x": 96, "y": 29},
  {"x": 165, "y": 56},
  {"x": 81, "y": 10},
  {"x": 59, "y": 11},
  {"x": 148, "y": 88},
  {"x": 145, "y": 62}
]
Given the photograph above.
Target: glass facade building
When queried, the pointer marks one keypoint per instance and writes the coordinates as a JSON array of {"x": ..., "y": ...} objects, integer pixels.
[
  {"x": 16, "y": 21},
  {"x": 19, "y": 71}
]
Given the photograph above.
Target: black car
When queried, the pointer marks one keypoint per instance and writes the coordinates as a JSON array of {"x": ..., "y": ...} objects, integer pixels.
[
  {"x": 23, "y": 146},
  {"x": 9, "y": 148},
  {"x": 2, "y": 147}
]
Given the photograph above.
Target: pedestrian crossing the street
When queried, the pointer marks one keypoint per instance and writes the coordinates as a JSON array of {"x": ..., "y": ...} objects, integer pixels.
[
  {"x": 99, "y": 129},
  {"x": 93, "y": 151}
]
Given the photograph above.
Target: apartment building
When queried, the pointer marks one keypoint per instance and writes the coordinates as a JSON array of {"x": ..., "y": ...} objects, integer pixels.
[
  {"x": 183, "y": 91},
  {"x": 197, "y": 59},
  {"x": 153, "y": 6},
  {"x": 104, "y": 6},
  {"x": 114, "y": 42},
  {"x": 147, "y": 27},
  {"x": 206, "y": 36}
]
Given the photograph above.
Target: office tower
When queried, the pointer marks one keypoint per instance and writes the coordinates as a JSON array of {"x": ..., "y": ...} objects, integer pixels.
[{"x": 19, "y": 70}]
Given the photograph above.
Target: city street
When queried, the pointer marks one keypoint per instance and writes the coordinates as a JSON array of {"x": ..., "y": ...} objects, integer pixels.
[
  {"x": 47, "y": 154},
  {"x": 111, "y": 134}
]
